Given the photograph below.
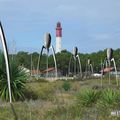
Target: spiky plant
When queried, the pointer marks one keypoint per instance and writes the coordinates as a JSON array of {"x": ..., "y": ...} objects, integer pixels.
[
  {"x": 18, "y": 80},
  {"x": 110, "y": 97},
  {"x": 66, "y": 86},
  {"x": 87, "y": 97}
]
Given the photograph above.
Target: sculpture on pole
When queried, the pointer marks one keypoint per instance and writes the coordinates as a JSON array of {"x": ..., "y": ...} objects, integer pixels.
[
  {"x": 89, "y": 69},
  {"x": 107, "y": 63},
  {"x": 5, "y": 51},
  {"x": 47, "y": 45},
  {"x": 76, "y": 58}
]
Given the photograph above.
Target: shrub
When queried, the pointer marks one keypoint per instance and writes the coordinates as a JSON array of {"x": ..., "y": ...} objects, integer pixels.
[
  {"x": 110, "y": 97},
  {"x": 87, "y": 97},
  {"x": 66, "y": 86},
  {"x": 18, "y": 79}
]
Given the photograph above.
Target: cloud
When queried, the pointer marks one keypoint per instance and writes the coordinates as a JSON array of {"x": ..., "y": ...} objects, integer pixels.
[
  {"x": 6, "y": 0},
  {"x": 67, "y": 8},
  {"x": 94, "y": 21},
  {"x": 101, "y": 36}
]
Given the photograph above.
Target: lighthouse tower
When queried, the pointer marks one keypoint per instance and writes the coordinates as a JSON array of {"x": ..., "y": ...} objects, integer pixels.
[{"x": 58, "y": 37}]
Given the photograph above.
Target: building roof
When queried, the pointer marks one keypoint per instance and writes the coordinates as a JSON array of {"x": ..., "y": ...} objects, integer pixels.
[
  {"x": 49, "y": 70},
  {"x": 107, "y": 69},
  {"x": 52, "y": 69},
  {"x": 35, "y": 72}
]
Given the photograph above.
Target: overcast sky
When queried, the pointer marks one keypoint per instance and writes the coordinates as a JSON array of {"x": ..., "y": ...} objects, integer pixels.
[{"x": 91, "y": 25}]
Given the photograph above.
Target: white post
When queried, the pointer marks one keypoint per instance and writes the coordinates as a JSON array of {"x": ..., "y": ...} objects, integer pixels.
[
  {"x": 39, "y": 59},
  {"x": 53, "y": 51},
  {"x": 115, "y": 70},
  {"x": 79, "y": 65},
  {"x": 6, "y": 59}
]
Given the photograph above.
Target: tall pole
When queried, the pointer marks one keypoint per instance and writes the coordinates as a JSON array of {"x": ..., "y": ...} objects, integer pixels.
[
  {"x": 4, "y": 44},
  {"x": 79, "y": 61},
  {"x": 75, "y": 66},
  {"x": 115, "y": 70},
  {"x": 31, "y": 65},
  {"x": 69, "y": 65},
  {"x": 39, "y": 60},
  {"x": 102, "y": 73},
  {"x": 109, "y": 72},
  {"x": 47, "y": 65},
  {"x": 54, "y": 61}
]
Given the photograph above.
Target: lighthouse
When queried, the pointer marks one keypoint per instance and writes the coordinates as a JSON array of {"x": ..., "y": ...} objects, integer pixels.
[{"x": 58, "y": 37}]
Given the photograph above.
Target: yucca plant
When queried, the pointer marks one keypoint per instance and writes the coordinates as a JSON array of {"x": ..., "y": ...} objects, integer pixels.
[
  {"x": 66, "y": 86},
  {"x": 18, "y": 80},
  {"x": 110, "y": 97},
  {"x": 87, "y": 97}
]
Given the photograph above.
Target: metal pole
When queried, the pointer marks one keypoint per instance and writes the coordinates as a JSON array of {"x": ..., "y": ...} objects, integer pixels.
[
  {"x": 80, "y": 65},
  {"x": 91, "y": 69},
  {"x": 4, "y": 44},
  {"x": 69, "y": 64},
  {"x": 115, "y": 70},
  {"x": 47, "y": 64},
  {"x": 101, "y": 74},
  {"x": 109, "y": 72},
  {"x": 54, "y": 60},
  {"x": 74, "y": 65},
  {"x": 39, "y": 60},
  {"x": 31, "y": 64}
]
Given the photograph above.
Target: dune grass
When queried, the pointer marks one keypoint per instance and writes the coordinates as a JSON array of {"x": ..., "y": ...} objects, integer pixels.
[{"x": 50, "y": 101}]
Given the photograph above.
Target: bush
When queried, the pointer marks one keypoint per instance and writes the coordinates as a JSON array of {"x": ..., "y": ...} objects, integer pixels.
[
  {"x": 66, "y": 86},
  {"x": 110, "y": 97},
  {"x": 87, "y": 97},
  {"x": 18, "y": 80}
]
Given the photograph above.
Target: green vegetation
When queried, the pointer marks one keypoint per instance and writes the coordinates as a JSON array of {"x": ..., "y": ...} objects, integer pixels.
[
  {"x": 24, "y": 59},
  {"x": 88, "y": 97},
  {"x": 58, "y": 100},
  {"x": 44, "y": 91},
  {"x": 66, "y": 86},
  {"x": 48, "y": 100},
  {"x": 110, "y": 98},
  {"x": 18, "y": 80}
]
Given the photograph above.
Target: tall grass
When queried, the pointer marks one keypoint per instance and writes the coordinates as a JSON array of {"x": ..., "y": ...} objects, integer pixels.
[{"x": 86, "y": 106}]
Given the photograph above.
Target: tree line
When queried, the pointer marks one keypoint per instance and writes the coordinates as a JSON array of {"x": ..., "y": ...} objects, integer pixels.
[{"x": 24, "y": 59}]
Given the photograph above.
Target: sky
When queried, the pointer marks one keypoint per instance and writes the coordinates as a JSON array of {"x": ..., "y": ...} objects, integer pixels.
[{"x": 91, "y": 25}]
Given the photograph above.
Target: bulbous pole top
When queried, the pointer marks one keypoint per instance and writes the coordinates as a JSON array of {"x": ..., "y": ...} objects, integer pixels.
[
  {"x": 109, "y": 53},
  {"x": 75, "y": 51},
  {"x": 47, "y": 40},
  {"x": 89, "y": 61}
]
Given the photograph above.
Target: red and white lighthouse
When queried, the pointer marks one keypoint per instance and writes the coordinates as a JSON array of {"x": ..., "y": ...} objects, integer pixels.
[{"x": 58, "y": 37}]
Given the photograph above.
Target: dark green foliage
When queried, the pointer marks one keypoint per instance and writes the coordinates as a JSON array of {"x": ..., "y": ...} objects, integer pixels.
[
  {"x": 24, "y": 59},
  {"x": 63, "y": 61},
  {"x": 110, "y": 97},
  {"x": 104, "y": 98},
  {"x": 87, "y": 97},
  {"x": 18, "y": 79},
  {"x": 66, "y": 86}
]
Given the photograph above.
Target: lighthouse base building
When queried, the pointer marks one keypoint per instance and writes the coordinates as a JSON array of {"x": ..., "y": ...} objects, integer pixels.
[{"x": 58, "y": 44}]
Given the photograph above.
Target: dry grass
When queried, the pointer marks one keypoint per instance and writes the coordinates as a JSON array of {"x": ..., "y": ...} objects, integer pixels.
[{"x": 49, "y": 101}]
